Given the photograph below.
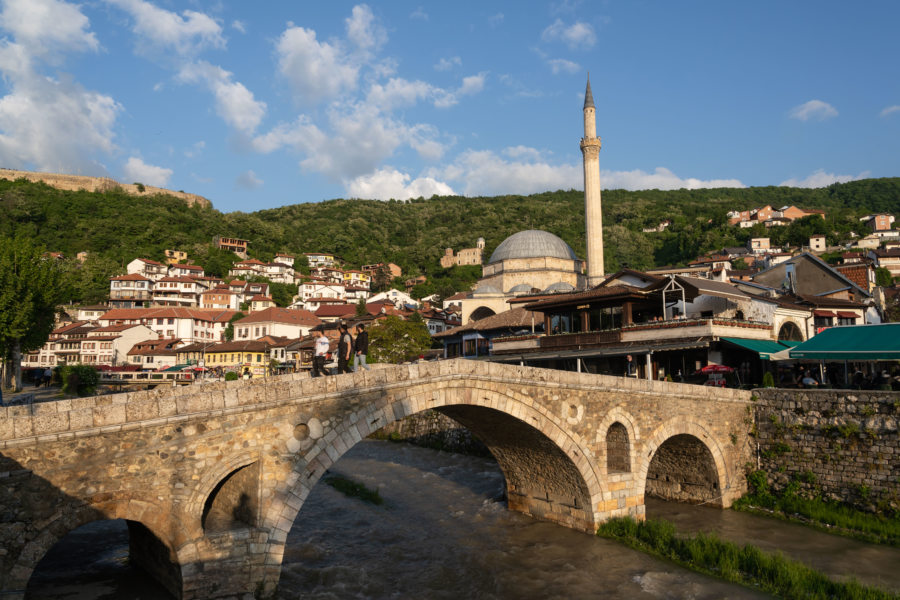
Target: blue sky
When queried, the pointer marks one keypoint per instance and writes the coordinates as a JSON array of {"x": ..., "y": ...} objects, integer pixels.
[{"x": 262, "y": 104}]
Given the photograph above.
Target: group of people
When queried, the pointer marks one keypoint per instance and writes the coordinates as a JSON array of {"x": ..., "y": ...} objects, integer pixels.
[
  {"x": 348, "y": 348},
  {"x": 42, "y": 377}
]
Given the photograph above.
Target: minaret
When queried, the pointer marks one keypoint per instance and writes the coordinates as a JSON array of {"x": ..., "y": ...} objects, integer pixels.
[{"x": 590, "y": 149}]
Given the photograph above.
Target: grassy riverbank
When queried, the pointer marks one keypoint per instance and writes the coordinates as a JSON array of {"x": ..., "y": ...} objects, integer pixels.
[
  {"x": 353, "y": 489},
  {"x": 831, "y": 517},
  {"x": 745, "y": 565}
]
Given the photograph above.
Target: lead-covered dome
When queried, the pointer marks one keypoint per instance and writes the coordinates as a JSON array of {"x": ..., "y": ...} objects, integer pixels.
[{"x": 533, "y": 243}]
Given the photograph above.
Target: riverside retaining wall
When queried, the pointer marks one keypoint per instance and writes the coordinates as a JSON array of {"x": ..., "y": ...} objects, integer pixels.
[{"x": 843, "y": 444}]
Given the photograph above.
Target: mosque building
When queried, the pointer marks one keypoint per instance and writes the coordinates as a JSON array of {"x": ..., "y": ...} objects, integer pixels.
[{"x": 538, "y": 262}]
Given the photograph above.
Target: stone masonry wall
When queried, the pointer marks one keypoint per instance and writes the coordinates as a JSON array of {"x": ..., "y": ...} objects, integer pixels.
[
  {"x": 841, "y": 443},
  {"x": 431, "y": 429}
]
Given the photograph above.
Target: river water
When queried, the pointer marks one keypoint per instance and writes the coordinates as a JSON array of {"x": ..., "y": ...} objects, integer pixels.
[{"x": 444, "y": 532}]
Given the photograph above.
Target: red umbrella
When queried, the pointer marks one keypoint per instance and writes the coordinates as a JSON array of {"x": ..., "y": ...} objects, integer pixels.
[{"x": 715, "y": 369}]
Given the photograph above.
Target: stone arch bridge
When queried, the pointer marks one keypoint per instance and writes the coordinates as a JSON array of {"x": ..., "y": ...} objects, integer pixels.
[{"x": 210, "y": 477}]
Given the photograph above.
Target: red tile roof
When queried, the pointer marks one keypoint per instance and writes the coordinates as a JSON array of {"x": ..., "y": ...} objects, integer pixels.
[
  {"x": 276, "y": 314},
  {"x": 177, "y": 312},
  {"x": 130, "y": 277}
]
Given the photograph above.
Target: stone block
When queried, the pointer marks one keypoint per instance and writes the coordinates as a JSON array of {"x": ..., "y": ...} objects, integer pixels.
[
  {"x": 7, "y": 429},
  {"x": 51, "y": 423},
  {"x": 140, "y": 411},
  {"x": 109, "y": 415},
  {"x": 23, "y": 427}
]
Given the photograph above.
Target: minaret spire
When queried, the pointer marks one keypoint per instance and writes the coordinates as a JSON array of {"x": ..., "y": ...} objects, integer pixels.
[
  {"x": 588, "y": 96},
  {"x": 593, "y": 214}
]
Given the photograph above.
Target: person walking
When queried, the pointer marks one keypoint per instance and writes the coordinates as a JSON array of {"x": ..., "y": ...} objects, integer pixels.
[
  {"x": 48, "y": 376},
  {"x": 322, "y": 344},
  {"x": 361, "y": 346},
  {"x": 345, "y": 349}
]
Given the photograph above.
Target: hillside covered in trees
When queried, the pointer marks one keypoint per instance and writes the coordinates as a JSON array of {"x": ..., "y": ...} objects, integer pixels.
[{"x": 114, "y": 227}]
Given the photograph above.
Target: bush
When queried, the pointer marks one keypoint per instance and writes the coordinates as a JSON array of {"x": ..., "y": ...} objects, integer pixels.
[
  {"x": 768, "y": 381},
  {"x": 79, "y": 379},
  {"x": 231, "y": 376}
]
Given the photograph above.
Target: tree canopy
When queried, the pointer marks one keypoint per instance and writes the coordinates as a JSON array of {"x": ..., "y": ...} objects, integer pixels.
[
  {"x": 115, "y": 228},
  {"x": 30, "y": 290}
]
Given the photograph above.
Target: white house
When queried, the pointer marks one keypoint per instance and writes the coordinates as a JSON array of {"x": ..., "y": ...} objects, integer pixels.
[
  {"x": 148, "y": 268},
  {"x": 283, "y": 322}
]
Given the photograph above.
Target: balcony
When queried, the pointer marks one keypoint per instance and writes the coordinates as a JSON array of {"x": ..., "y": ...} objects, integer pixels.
[{"x": 647, "y": 333}]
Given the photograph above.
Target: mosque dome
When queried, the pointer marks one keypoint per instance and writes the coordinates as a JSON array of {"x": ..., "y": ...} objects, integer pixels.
[
  {"x": 533, "y": 243},
  {"x": 522, "y": 288},
  {"x": 486, "y": 288},
  {"x": 559, "y": 286}
]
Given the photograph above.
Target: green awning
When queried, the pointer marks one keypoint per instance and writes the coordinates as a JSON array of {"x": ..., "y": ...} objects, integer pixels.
[
  {"x": 853, "y": 342},
  {"x": 764, "y": 348},
  {"x": 176, "y": 368}
]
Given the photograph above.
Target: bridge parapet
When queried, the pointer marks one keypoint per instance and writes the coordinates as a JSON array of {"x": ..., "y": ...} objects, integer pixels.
[{"x": 62, "y": 419}]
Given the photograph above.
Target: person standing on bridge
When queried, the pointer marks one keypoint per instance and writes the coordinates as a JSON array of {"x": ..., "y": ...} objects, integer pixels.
[
  {"x": 322, "y": 345},
  {"x": 345, "y": 349},
  {"x": 361, "y": 347}
]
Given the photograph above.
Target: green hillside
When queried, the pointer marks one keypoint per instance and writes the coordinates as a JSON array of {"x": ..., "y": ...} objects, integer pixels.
[{"x": 115, "y": 227}]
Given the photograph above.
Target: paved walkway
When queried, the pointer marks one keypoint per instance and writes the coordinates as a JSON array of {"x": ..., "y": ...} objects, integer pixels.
[{"x": 32, "y": 394}]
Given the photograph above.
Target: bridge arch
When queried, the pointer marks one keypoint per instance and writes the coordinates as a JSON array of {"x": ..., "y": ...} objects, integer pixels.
[
  {"x": 506, "y": 421},
  {"x": 691, "y": 450},
  {"x": 145, "y": 519},
  {"x": 619, "y": 415}
]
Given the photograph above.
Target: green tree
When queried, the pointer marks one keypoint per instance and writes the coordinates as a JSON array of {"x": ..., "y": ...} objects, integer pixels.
[
  {"x": 30, "y": 290},
  {"x": 229, "y": 329},
  {"x": 393, "y": 340},
  {"x": 883, "y": 277},
  {"x": 361, "y": 308},
  {"x": 79, "y": 379}
]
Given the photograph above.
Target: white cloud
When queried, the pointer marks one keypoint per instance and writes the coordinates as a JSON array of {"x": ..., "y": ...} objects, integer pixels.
[
  {"x": 234, "y": 102},
  {"x": 522, "y": 152},
  {"x": 561, "y": 65},
  {"x": 398, "y": 92},
  {"x": 388, "y": 183},
  {"x": 186, "y": 34},
  {"x": 362, "y": 29},
  {"x": 815, "y": 110},
  {"x": 484, "y": 173},
  {"x": 248, "y": 180},
  {"x": 472, "y": 84},
  {"x": 822, "y": 179},
  {"x": 196, "y": 149},
  {"x": 445, "y": 64},
  {"x": 315, "y": 70},
  {"x": 579, "y": 35},
  {"x": 496, "y": 20},
  {"x": 890, "y": 110},
  {"x": 660, "y": 179},
  {"x": 419, "y": 14},
  {"x": 50, "y": 123},
  {"x": 48, "y": 28},
  {"x": 136, "y": 170},
  {"x": 239, "y": 26}
]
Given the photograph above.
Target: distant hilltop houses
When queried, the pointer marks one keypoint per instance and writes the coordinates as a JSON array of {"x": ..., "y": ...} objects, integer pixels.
[
  {"x": 770, "y": 217},
  {"x": 98, "y": 184}
]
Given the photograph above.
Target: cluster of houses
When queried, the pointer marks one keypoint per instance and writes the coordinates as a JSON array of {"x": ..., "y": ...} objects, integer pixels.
[
  {"x": 669, "y": 323},
  {"x": 170, "y": 315},
  {"x": 770, "y": 217}
]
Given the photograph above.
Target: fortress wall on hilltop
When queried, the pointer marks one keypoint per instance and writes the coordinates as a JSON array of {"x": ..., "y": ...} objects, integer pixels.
[{"x": 97, "y": 184}]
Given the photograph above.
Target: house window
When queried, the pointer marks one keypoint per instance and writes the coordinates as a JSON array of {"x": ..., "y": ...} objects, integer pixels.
[{"x": 846, "y": 320}]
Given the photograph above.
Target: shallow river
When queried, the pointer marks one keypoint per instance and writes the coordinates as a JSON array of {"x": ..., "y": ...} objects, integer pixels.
[{"x": 444, "y": 533}]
